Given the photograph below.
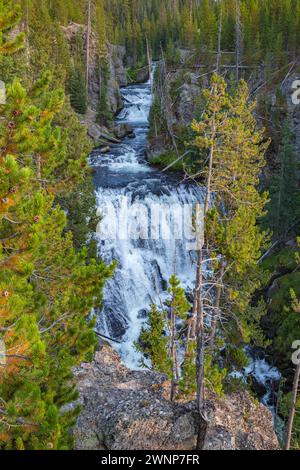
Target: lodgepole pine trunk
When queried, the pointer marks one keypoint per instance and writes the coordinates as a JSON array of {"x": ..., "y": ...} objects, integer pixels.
[
  {"x": 219, "y": 54},
  {"x": 175, "y": 371},
  {"x": 238, "y": 34},
  {"x": 217, "y": 312},
  {"x": 200, "y": 358},
  {"x": 149, "y": 63},
  {"x": 88, "y": 37},
  {"x": 292, "y": 409}
]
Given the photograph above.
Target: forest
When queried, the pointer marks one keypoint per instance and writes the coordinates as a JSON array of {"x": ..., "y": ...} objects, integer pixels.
[{"x": 190, "y": 99}]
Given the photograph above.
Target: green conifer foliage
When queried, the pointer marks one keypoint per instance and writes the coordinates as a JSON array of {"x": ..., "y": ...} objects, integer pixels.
[
  {"x": 153, "y": 342},
  {"x": 283, "y": 209},
  {"x": 228, "y": 130},
  {"x": 47, "y": 288},
  {"x": 10, "y": 17},
  {"x": 77, "y": 89},
  {"x": 163, "y": 342}
]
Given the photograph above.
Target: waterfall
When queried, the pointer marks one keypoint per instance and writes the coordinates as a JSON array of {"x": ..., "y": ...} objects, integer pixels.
[
  {"x": 145, "y": 263},
  {"x": 128, "y": 191}
]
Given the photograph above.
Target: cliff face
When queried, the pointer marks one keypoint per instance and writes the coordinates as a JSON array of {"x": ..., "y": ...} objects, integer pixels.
[
  {"x": 117, "y": 71},
  {"x": 130, "y": 410}
]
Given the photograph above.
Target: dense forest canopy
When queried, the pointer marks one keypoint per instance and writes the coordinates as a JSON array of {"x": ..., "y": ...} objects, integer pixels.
[{"x": 268, "y": 26}]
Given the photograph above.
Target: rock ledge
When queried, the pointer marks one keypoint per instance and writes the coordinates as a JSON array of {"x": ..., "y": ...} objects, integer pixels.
[{"x": 130, "y": 410}]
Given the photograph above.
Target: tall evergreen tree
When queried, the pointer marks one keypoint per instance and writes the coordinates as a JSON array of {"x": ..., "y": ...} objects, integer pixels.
[
  {"x": 77, "y": 89},
  {"x": 47, "y": 288},
  {"x": 284, "y": 189},
  {"x": 233, "y": 153}
]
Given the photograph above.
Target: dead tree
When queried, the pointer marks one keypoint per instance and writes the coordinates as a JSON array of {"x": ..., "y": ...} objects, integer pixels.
[
  {"x": 219, "y": 53},
  {"x": 199, "y": 308},
  {"x": 238, "y": 38},
  {"x": 88, "y": 39},
  {"x": 293, "y": 408},
  {"x": 149, "y": 60},
  {"x": 173, "y": 355},
  {"x": 216, "y": 314}
]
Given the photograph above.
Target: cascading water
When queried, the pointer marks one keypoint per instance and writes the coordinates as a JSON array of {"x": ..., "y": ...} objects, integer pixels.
[
  {"x": 145, "y": 263},
  {"x": 124, "y": 180}
]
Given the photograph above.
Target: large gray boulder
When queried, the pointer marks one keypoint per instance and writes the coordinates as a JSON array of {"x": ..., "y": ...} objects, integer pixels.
[{"x": 131, "y": 410}]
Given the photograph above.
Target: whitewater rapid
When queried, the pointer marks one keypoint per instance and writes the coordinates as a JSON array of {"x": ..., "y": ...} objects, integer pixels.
[
  {"x": 124, "y": 180},
  {"x": 145, "y": 263}
]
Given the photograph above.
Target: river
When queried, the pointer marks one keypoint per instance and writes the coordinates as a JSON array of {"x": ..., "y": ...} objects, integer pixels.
[{"x": 127, "y": 190}]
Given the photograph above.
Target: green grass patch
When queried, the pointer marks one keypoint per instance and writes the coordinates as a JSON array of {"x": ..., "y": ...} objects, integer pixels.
[
  {"x": 165, "y": 159},
  {"x": 283, "y": 259},
  {"x": 282, "y": 297}
]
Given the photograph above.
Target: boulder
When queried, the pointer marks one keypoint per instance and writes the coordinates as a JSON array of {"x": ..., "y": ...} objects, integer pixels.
[
  {"x": 142, "y": 75},
  {"x": 94, "y": 131},
  {"x": 131, "y": 410},
  {"x": 105, "y": 149},
  {"x": 123, "y": 130}
]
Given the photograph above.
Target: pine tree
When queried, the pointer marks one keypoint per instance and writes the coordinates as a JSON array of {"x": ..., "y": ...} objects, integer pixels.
[
  {"x": 47, "y": 287},
  {"x": 234, "y": 149},
  {"x": 10, "y": 17},
  {"x": 77, "y": 90},
  {"x": 295, "y": 390},
  {"x": 153, "y": 342},
  {"x": 284, "y": 190},
  {"x": 159, "y": 341}
]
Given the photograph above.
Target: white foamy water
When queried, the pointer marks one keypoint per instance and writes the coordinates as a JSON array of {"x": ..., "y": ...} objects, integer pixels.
[{"x": 144, "y": 265}]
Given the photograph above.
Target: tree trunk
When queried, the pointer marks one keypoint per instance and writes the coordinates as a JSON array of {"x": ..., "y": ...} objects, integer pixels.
[
  {"x": 219, "y": 54},
  {"x": 173, "y": 355},
  {"x": 198, "y": 301},
  {"x": 166, "y": 103},
  {"x": 27, "y": 33},
  {"x": 149, "y": 59},
  {"x": 38, "y": 167},
  {"x": 292, "y": 409},
  {"x": 200, "y": 337},
  {"x": 238, "y": 34},
  {"x": 200, "y": 358},
  {"x": 217, "y": 312},
  {"x": 88, "y": 36}
]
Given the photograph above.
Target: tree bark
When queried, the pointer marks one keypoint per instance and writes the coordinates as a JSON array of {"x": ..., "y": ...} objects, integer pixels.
[
  {"x": 149, "y": 59},
  {"x": 217, "y": 312},
  {"x": 238, "y": 34},
  {"x": 292, "y": 409},
  {"x": 173, "y": 355},
  {"x": 219, "y": 54},
  {"x": 88, "y": 36},
  {"x": 200, "y": 358}
]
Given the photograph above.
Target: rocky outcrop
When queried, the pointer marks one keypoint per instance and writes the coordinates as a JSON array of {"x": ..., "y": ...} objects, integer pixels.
[
  {"x": 117, "y": 76},
  {"x": 142, "y": 75},
  {"x": 130, "y": 410},
  {"x": 188, "y": 97},
  {"x": 123, "y": 130},
  {"x": 100, "y": 135}
]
